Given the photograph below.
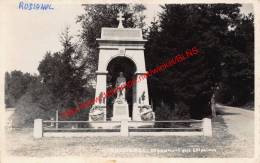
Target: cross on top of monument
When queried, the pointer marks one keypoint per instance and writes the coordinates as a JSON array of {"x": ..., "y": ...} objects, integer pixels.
[{"x": 120, "y": 19}]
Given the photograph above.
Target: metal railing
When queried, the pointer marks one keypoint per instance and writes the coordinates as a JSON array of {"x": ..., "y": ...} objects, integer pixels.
[
  {"x": 177, "y": 125},
  {"x": 124, "y": 128},
  {"x": 78, "y": 126}
]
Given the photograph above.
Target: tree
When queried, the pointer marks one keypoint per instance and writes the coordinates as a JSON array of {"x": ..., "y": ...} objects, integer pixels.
[
  {"x": 238, "y": 63},
  {"x": 16, "y": 84},
  {"x": 98, "y": 16},
  {"x": 181, "y": 27},
  {"x": 36, "y": 102},
  {"x": 64, "y": 74},
  {"x": 27, "y": 94}
]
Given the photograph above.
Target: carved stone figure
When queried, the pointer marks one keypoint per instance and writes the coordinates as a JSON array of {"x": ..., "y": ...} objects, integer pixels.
[{"x": 120, "y": 82}]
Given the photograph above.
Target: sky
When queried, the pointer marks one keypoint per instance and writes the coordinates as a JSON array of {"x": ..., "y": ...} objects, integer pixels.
[{"x": 28, "y": 35}]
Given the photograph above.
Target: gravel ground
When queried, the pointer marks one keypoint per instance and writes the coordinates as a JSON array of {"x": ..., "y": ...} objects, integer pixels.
[{"x": 222, "y": 144}]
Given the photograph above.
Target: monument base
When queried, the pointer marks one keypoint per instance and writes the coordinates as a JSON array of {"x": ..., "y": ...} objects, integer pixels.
[
  {"x": 143, "y": 112},
  {"x": 136, "y": 116},
  {"x": 120, "y": 112}
]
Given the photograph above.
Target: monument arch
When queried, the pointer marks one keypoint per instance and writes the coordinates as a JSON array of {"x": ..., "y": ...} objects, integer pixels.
[
  {"x": 118, "y": 46},
  {"x": 127, "y": 66},
  {"x": 120, "y": 56}
]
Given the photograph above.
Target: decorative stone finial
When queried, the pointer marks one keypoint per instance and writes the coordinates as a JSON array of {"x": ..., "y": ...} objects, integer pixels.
[{"x": 120, "y": 19}]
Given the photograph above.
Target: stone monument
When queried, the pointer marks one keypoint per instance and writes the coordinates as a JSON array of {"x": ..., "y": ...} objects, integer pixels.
[{"x": 126, "y": 43}]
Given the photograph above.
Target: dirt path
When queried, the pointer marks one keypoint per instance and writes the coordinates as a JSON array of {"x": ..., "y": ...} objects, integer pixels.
[{"x": 240, "y": 123}]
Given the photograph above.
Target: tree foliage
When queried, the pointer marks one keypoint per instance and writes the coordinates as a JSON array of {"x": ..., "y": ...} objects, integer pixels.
[
  {"x": 64, "y": 74},
  {"x": 16, "y": 84},
  {"x": 181, "y": 27},
  {"x": 238, "y": 64},
  {"x": 36, "y": 102}
]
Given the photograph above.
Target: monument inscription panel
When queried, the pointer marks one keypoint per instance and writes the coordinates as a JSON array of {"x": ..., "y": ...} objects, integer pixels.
[{"x": 121, "y": 110}]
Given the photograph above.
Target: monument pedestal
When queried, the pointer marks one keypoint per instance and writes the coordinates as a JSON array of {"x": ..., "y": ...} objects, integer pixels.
[
  {"x": 120, "y": 112},
  {"x": 136, "y": 116}
]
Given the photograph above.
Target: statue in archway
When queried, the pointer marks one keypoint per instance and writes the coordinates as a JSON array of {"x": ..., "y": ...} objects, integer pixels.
[{"x": 120, "y": 81}]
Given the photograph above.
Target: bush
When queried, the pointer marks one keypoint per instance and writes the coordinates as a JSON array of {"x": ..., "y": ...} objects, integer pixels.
[
  {"x": 163, "y": 112},
  {"x": 27, "y": 111},
  {"x": 181, "y": 111}
]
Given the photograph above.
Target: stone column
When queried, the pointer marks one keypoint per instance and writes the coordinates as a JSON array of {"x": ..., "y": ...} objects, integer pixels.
[
  {"x": 124, "y": 128},
  {"x": 141, "y": 87},
  {"x": 37, "y": 128},
  {"x": 134, "y": 91},
  {"x": 101, "y": 88},
  {"x": 207, "y": 127}
]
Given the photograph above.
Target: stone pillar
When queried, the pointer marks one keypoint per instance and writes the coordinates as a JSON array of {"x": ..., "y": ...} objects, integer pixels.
[
  {"x": 124, "y": 128},
  {"x": 37, "y": 129},
  {"x": 135, "y": 113},
  {"x": 142, "y": 87},
  {"x": 134, "y": 91},
  {"x": 207, "y": 127},
  {"x": 101, "y": 88},
  {"x": 52, "y": 123}
]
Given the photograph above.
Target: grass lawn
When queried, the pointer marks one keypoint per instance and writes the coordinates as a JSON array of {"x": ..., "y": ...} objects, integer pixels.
[{"x": 222, "y": 144}]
